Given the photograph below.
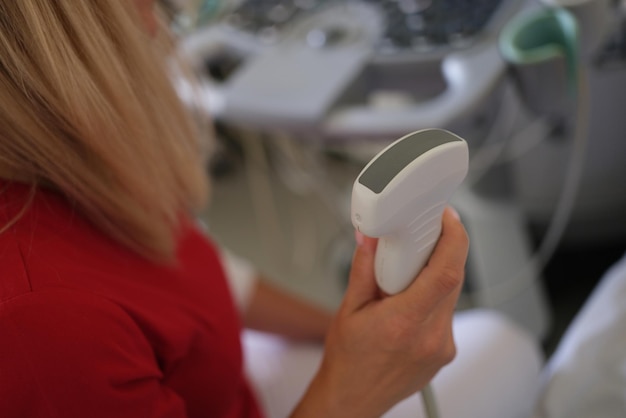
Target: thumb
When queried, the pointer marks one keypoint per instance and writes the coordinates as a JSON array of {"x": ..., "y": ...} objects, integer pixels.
[{"x": 362, "y": 287}]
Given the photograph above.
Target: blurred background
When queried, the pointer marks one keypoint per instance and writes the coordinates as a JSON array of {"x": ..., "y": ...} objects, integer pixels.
[{"x": 304, "y": 93}]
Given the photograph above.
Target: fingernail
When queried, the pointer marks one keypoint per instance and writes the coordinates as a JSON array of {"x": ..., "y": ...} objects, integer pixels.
[
  {"x": 358, "y": 236},
  {"x": 454, "y": 213}
]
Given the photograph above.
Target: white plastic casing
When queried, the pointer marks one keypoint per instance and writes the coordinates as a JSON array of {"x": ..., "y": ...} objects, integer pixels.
[{"x": 407, "y": 213}]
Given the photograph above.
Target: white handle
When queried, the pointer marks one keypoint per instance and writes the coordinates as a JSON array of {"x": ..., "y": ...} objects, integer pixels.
[
  {"x": 470, "y": 75},
  {"x": 400, "y": 257}
]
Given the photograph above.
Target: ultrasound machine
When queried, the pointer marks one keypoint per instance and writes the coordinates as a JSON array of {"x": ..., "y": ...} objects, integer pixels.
[{"x": 350, "y": 76}]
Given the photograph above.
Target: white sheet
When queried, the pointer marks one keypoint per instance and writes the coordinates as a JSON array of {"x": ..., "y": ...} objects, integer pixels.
[
  {"x": 495, "y": 374},
  {"x": 586, "y": 376}
]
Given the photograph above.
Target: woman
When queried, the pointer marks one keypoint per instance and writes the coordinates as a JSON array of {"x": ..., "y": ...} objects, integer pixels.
[{"x": 112, "y": 304}]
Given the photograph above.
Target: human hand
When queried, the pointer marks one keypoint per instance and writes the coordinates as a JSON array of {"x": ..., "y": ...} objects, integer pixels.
[{"x": 381, "y": 349}]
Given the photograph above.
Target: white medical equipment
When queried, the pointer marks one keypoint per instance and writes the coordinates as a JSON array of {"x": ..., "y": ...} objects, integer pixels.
[
  {"x": 400, "y": 197},
  {"x": 330, "y": 66}
]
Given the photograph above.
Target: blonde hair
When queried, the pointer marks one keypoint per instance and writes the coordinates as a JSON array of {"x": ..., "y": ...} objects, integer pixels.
[{"x": 87, "y": 108}]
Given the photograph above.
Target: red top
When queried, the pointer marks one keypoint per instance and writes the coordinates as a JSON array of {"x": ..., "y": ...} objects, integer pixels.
[{"x": 89, "y": 329}]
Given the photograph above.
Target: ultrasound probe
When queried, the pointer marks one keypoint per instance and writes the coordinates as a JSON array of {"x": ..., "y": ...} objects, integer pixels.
[{"x": 400, "y": 196}]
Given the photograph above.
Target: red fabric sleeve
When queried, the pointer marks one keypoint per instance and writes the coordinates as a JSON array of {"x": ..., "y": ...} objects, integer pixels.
[{"x": 65, "y": 353}]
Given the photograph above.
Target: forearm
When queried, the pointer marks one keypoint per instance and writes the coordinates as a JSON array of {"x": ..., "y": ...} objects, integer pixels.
[
  {"x": 322, "y": 399},
  {"x": 317, "y": 402},
  {"x": 277, "y": 311}
]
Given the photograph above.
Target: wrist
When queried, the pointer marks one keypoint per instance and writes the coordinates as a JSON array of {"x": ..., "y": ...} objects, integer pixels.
[
  {"x": 324, "y": 398},
  {"x": 317, "y": 401}
]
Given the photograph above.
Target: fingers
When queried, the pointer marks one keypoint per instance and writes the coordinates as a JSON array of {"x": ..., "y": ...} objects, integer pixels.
[
  {"x": 362, "y": 287},
  {"x": 440, "y": 278},
  {"x": 443, "y": 275}
]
